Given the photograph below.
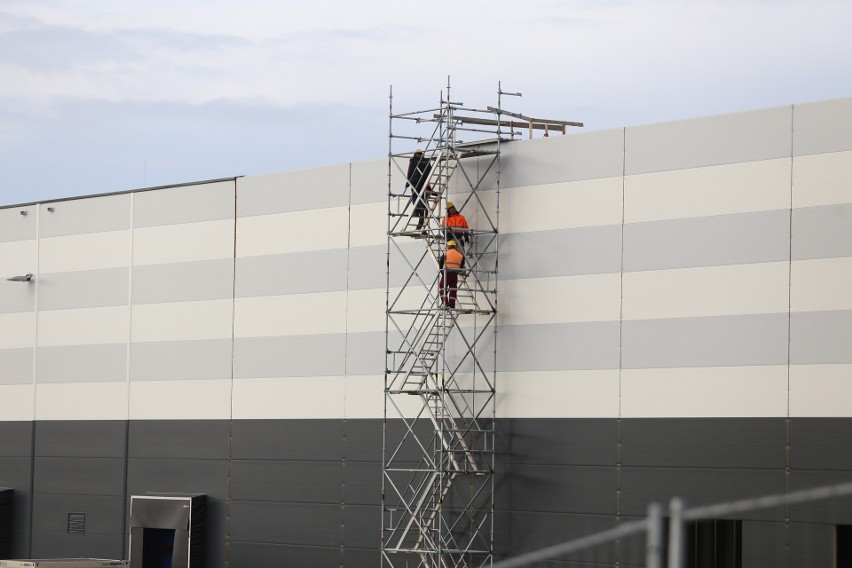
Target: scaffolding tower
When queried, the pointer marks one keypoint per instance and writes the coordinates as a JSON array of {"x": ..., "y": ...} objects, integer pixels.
[{"x": 440, "y": 376}]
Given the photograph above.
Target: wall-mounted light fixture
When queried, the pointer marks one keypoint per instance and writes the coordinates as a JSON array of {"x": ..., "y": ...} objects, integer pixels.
[
  {"x": 23, "y": 211},
  {"x": 28, "y": 277},
  {"x": 50, "y": 209}
]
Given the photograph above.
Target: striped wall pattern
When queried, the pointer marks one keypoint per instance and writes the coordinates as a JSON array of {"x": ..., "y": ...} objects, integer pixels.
[{"x": 692, "y": 273}]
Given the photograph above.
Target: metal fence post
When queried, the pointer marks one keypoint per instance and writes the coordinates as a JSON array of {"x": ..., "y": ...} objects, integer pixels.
[
  {"x": 676, "y": 533},
  {"x": 653, "y": 548}
]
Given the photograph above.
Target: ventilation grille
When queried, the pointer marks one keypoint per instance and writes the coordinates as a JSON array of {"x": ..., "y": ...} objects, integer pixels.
[{"x": 76, "y": 523}]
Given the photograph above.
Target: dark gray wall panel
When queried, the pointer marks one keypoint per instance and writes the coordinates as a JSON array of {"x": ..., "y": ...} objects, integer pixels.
[
  {"x": 821, "y": 443},
  {"x": 820, "y": 337},
  {"x": 16, "y": 366},
  {"x": 79, "y": 476},
  {"x": 183, "y": 281},
  {"x": 16, "y": 297},
  {"x": 822, "y": 232},
  {"x": 16, "y": 439},
  {"x": 293, "y": 481},
  {"x": 104, "y": 514},
  {"x": 257, "y": 554},
  {"x": 362, "y": 527},
  {"x": 189, "y": 204},
  {"x": 837, "y": 510},
  {"x": 64, "y": 545},
  {"x": 533, "y": 530},
  {"x": 351, "y": 556},
  {"x": 811, "y": 546},
  {"x": 305, "y": 524},
  {"x": 558, "y": 442},
  {"x": 87, "y": 289},
  {"x": 707, "y": 241},
  {"x": 584, "y": 250},
  {"x": 362, "y": 481},
  {"x": 365, "y": 353},
  {"x": 185, "y": 439},
  {"x": 794, "y": 545},
  {"x": 705, "y": 342},
  {"x": 15, "y": 474},
  {"x": 299, "y": 190},
  {"x": 17, "y": 227},
  {"x": 583, "y": 155},
  {"x": 726, "y": 139},
  {"x": 822, "y": 127},
  {"x": 289, "y": 356},
  {"x": 82, "y": 363},
  {"x": 86, "y": 215},
  {"x": 363, "y": 439},
  {"x": 288, "y": 439},
  {"x": 181, "y": 360},
  {"x": 764, "y": 543},
  {"x": 80, "y": 438},
  {"x": 642, "y": 485},
  {"x": 558, "y": 489},
  {"x": 291, "y": 273},
  {"x": 557, "y": 347},
  {"x": 704, "y": 442}
]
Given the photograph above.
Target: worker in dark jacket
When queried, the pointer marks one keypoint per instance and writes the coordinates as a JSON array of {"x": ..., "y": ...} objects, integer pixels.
[
  {"x": 419, "y": 168},
  {"x": 451, "y": 264}
]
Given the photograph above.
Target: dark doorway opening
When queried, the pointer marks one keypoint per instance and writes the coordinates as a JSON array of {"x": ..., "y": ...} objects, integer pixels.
[{"x": 158, "y": 547}]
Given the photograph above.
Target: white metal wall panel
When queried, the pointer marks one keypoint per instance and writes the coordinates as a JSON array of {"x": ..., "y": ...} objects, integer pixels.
[
  {"x": 821, "y": 285},
  {"x": 17, "y": 330},
  {"x": 822, "y": 127},
  {"x": 182, "y": 321},
  {"x": 180, "y": 400},
  {"x": 17, "y": 402},
  {"x": 558, "y": 394},
  {"x": 365, "y": 398},
  {"x": 84, "y": 251},
  {"x": 88, "y": 215},
  {"x": 188, "y": 204},
  {"x": 563, "y": 299},
  {"x": 85, "y": 326},
  {"x": 703, "y": 192},
  {"x": 289, "y": 397},
  {"x": 16, "y": 365},
  {"x": 587, "y": 203},
  {"x": 821, "y": 390},
  {"x": 298, "y": 314},
  {"x": 704, "y": 392},
  {"x": 101, "y": 363},
  {"x": 298, "y": 231},
  {"x": 81, "y": 401},
  {"x": 822, "y": 179},
  {"x": 368, "y": 224},
  {"x": 168, "y": 244},
  {"x": 18, "y": 258},
  {"x": 301, "y": 190},
  {"x": 18, "y": 223},
  {"x": 369, "y": 181}
]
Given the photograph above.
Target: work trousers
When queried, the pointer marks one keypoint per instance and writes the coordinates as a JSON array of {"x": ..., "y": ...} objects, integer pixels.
[{"x": 449, "y": 287}]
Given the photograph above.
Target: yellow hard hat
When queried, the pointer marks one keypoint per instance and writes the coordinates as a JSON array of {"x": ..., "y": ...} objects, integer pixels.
[
  {"x": 450, "y": 204},
  {"x": 451, "y": 243},
  {"x": 418, "y": 151}
]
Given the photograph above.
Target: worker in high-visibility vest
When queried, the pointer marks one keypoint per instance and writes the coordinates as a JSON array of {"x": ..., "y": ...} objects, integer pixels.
[
  {"x": 455, "y": 224},
  {"x": 451, "y": 264}
]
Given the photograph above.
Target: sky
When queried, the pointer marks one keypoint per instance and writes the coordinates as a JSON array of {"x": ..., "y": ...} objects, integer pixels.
[{"x": 99, "y": 96}]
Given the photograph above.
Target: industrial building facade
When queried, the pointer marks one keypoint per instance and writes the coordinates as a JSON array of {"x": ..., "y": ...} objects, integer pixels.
[{"x": 675, "y": 318}]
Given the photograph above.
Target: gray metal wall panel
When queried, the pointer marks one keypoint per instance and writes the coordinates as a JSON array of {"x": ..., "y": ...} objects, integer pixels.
[
  {"x": 368, "y": 265},
  {"x": 181, "y": 360},
  {"x": 292, "y": 481},
  {"x": 289, "y": 356},
  {"x": 16, "y": 439},
  {"x": 363, "y": 439},
  {"x": 822, "y": 232},
  {"x": 587, "y": 155},
  {"x": 704, "y": 442},
  {"x": 643, "y": 485},
  {"x": 82, "y": 363},
  {"x": 559, "y": 489},
  {"x": 16, "y": 297},
  {"x": 104, "y": 514},
  {"x": 86, "y": 215},
  {"x": 821, "y": 443},
  {"x": 694, "y": 143},
  {"x": 189, "y": 204},
  {"x": 17, "y": 366},
  {"x": 370, "y": 181},
  {"x": 365, "y": 353},
  {"x": 558, "y": 347},
  {"x": 301, "y": 190},
  {"x": 531, "y": 530},
  {"x": 79, "y": 476},
  {"x": 360, "y": 529},
  {"x": 186, "y": 439},
  {"x": 822, "y": 127},
  {"x": 80, "y": 438},
  {"x": 820, "y": 337},
  {"x": 763, "y": 543},
  {"x": 362, "y": 481},
  {"x": 64, "y": 545},
  {"x": 708, "y": 241},
  {"x": 289, "y": 439},
  {"x": 722, "y": 341},
  {"x": 291, "y": 273},
  {"x": 183, "y": 282},
  {"x": 17, "y": 227},
  {"x": 592, "y": 441},
  {"x": 787, "y": 544},
  {"x": 258, "y": 554},
  {"x": 585, "y": 250},
  {"x": 88, "y": 289},
  {"x": 834, "y": 511},
  {"x": 306, "y": 524},
  {"x": 15, "y": 474}
]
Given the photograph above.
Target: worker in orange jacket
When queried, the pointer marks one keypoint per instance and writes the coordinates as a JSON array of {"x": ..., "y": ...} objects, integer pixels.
[
  {"x": 451, "y": 264},
  {"x": 455, "y": 224}
]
